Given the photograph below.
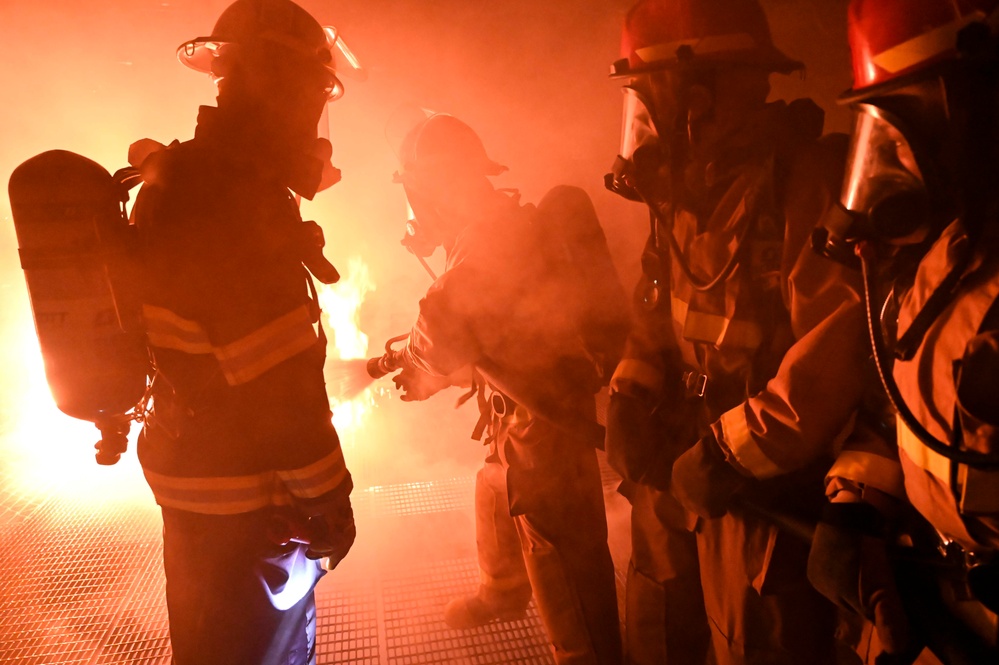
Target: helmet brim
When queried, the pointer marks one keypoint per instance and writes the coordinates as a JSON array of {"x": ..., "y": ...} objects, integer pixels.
[
  {"x": 854, "y": 95},
  {"x": 199, "y": 53}
]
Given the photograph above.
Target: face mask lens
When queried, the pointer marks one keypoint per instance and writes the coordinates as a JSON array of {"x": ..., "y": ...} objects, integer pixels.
[
  {"x": 417, "y": 239},
  {"x": 637, "y": 166},
  {"x": 637, "y": 128},
  {"x": 883, "y": 183}
]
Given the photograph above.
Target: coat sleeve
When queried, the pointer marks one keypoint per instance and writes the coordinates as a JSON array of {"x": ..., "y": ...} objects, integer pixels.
[
  {"x": 806, "y": 408},
  {"x": 446, "y": 334}
]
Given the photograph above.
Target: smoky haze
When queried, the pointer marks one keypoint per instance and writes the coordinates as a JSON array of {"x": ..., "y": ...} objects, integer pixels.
[{"x": 530, "y": 77}]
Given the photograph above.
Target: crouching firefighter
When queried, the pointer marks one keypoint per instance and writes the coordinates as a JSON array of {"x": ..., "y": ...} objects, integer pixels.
[
  {"x": 239, "y": 449},
  {"x": 917, "y": 218},
  {"x": 746, "y": 361},
  {"x": 531, "y": 301}
]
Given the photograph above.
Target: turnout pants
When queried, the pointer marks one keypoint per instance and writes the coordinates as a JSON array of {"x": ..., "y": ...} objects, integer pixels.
[
  {"x": 760, "y": 606},
  {"x": 233, "y": 597},
  {"x": 541, "y": 526},
  {"x": 664, "y": 607}
]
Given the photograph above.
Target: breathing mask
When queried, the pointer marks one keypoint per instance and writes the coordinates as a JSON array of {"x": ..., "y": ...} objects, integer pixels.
[{"x": 884, "y": 195}]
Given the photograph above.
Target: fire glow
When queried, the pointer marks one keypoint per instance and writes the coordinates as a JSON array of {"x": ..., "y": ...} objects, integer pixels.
[
  {"x": 48, "y": 453},
  {"x": 341, "y": 305}
]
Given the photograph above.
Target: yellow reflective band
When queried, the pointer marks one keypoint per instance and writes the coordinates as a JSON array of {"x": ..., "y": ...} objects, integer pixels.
[
  {"x": 921, "y": 456},
  {"x": 701, "y": 46},
  {"x": 231, "y": 495},
  {"x": 268, "y": 346},
  {"x": 637, "y": 371},
  {"x": 870, "y": 469},
  {"x": 714, "y": 328},
  {"x": 317, "y": 478},
  {"x": 925, "y": 46},
  {"x": 740, "y": 441},
  {"x": 217, "y": 495},
  {"x": 169, "y": 331}
]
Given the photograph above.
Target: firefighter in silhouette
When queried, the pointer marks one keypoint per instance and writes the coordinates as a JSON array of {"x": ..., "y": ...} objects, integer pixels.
[
  {"x": 916, "y": 217},
  {"x": 239, "y": 450},
  {"x": 746, "y": 362},
  {"x": 530, "y": 301}
]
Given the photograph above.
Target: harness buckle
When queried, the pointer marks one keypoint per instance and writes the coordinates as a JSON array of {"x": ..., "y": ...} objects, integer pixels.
[{"x": 695, "y": 383}]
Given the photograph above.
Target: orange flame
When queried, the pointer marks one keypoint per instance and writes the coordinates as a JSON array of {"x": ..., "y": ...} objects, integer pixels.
[
  {"x": 341, "y": 304},
  {"x": 49, "y": 453}
]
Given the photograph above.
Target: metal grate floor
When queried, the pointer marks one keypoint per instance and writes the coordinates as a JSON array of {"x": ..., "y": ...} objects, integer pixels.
[{"x": 84, "y": 584}]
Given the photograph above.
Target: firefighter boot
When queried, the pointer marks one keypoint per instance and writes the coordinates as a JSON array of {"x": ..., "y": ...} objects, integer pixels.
[
  {"x": 474, "y": 611},
  {"x": 505, "y": 589}
]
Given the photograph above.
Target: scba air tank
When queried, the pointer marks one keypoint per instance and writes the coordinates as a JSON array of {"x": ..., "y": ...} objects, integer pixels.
[{"x": 75, "y": 248}]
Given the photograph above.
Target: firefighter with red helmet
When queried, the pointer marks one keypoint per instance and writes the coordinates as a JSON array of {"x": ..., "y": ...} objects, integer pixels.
[
  {"x": 509, "y": 306},
  {"x": 916, "y": 218},
  {"x": 239, "y": 449},
  {"x": 746, "y": 365}
]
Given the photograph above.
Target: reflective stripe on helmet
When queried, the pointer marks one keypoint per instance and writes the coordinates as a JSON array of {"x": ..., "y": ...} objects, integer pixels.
[
  {"x": 923, "y": 47},
  {"x": 230, "y": 495},
  {"x": 707, "y": 45}
]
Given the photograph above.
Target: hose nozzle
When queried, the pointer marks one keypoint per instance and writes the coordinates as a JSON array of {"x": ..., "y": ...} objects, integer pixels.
[{"x": 390, "y": 362}]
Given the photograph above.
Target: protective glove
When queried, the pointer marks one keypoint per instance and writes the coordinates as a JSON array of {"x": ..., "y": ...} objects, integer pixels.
[
  {"x": 703, "y": 481},
  {"x": 331, "y": 533},
  {"x": 417, "y": 385},
  {"x": 849, "y": 565}
]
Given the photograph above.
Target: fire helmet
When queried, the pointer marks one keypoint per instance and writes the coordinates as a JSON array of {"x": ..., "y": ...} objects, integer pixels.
[
  {"x": 676, "y": 55},
  {"x": 442, "y": 144},
  {"x": 662, "y": 34},
  {"x": 437, "y": 153},
  {"x": 925, "y": 105},
  {"x": 272, "y": 23},
  {"x": 894, "y": 42}
]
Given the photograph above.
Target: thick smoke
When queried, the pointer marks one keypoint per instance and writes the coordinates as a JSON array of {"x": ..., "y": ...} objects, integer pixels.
[{"x": 530, "y": 77}]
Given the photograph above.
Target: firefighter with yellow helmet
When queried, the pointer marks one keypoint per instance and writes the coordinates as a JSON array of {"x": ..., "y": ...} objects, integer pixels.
[
  {"x": 239, "y": 449},
  {"x": 747, "y": 360}
]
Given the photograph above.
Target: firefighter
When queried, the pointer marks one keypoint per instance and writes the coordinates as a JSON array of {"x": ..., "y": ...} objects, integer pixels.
[
  {"x": 747, "y": 363},
  {"x": 239, "y": 449},
  {"x": 501, "y": 307},
  {"x": 916, "y": 217}
]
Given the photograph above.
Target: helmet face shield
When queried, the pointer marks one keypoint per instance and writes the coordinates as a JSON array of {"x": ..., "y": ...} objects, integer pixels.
[
  {"x": 642, "y": 152},
  {"x": 884, "y": 185}
]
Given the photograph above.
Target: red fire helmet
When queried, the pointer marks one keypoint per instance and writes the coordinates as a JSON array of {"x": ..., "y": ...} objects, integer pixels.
[
  {"x": 660, "y": 34},
  {"x": 893, "y": 39}
]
